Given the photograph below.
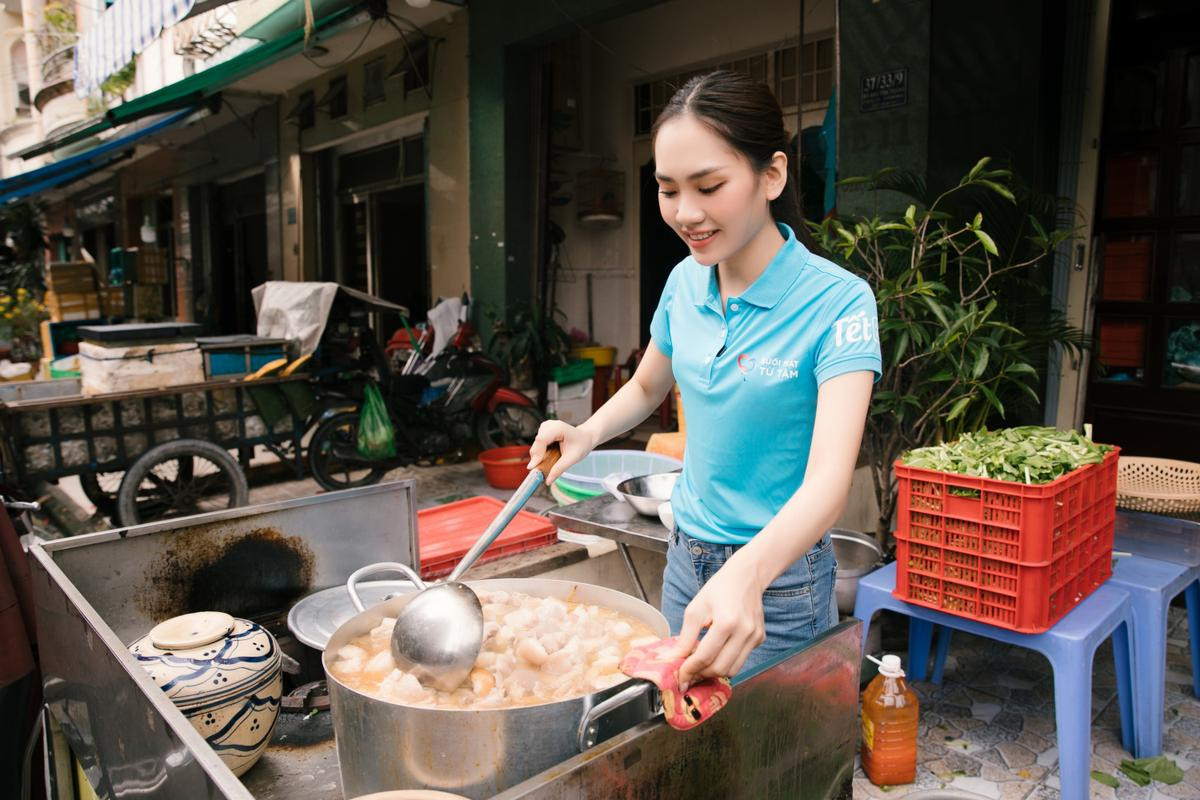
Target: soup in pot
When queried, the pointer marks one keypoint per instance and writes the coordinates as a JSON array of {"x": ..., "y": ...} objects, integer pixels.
[{"x": 535, "y": 650}]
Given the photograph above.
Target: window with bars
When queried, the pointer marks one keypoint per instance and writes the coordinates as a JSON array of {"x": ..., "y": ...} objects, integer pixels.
[{"x": 776, "y": 67}]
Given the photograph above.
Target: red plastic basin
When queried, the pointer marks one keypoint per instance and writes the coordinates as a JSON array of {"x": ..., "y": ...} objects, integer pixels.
[{"x": 504, "y": 467}]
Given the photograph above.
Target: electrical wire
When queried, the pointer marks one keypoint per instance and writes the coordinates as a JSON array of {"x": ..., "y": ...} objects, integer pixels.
[
  {"x": 408, "y": 53},
  {"x": 597, "y": 42},
  {"x": 351, "y": 55}
]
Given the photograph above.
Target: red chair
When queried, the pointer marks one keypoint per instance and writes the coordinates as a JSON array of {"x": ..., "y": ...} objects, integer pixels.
[{"x": 630, "y": 366}]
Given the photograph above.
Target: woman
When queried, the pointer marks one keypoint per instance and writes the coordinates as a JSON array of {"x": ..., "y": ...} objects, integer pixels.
[{"x": 775, "y": 350}]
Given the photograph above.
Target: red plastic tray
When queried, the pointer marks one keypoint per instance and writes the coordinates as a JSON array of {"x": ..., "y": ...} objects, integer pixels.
[
  {"x": 1011, "y": 555},
  {"x": 445, "y": 533}
]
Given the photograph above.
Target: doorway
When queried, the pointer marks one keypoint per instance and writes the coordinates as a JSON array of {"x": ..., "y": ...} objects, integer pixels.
[
  {"x": 239, "y": 254},
  {"x": 400, "y": 249},
  {"x": 381, "y": 226},
  {"x": 1144, "y": 383},
  {"x": 660, "y": 248}
]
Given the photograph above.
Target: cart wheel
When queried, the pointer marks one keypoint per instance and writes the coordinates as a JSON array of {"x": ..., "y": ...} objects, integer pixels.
[
  {"x": 178, "y": 479},
  {"x": 333, "y": 458},
  {"x": 508, "y": 423},
  {"x": 101, "y": 488}
]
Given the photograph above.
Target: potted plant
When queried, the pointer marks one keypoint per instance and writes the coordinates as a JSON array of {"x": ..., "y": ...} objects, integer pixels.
[
  {"x": 20, "y": 314},
  {"x": 529, "y": 345},
  {"x": 21, "y": 272},
  {"x": 963, "y": 325}
]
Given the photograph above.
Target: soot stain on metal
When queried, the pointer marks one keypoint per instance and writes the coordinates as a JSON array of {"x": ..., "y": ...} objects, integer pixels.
[
  {"x": 298, "y": 731},
  {"x": 242, "y": 573}
]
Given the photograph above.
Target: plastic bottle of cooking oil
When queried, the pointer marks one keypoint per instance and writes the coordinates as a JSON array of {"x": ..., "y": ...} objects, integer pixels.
[{"x": 889, "y": 727}]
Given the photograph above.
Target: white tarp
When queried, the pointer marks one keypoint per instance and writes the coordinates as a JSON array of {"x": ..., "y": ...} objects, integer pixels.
[
  {"x": 294, "y": 310},
  {"x": 298, "y": 310}
]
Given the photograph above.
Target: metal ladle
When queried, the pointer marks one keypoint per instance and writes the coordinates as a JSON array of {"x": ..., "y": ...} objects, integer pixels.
[{"x": 439, "y": 632}]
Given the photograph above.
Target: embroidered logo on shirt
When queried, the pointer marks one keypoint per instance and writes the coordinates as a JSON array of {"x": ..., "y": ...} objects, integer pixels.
[
  {"x": 768, "y": 367},
  {"x": 853, "y": 329}
]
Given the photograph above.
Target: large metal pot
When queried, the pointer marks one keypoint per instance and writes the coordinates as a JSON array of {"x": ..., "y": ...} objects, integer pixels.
[
  {"x": 857, "y": 554},
  {"x": 478, "y": 753}
]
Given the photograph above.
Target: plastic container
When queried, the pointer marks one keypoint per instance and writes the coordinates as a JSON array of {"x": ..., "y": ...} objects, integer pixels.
[
  {"x": 235, "y": 356},
  {"x": 504, "y": 467},
  {"x": 565, "y": 494},
  {"x": 600, "y": 356},
  {"x": 571, "y": 402},
  {"x": 889, "y": 727},
  {"x": 446, "y": 532},
  {"x": 579, "y": 369},
  {"x": 1008, "y": 554},
  {"x": 586, "y": 476}
]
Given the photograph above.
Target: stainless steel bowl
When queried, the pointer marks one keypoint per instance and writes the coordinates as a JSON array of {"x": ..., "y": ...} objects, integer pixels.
[{"x": 647, "y": 492}]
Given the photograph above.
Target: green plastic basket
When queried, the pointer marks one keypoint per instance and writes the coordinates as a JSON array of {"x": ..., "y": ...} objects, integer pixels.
[
  {"x": 573, "y": 371},
  {"x": 574, "y": 493}
]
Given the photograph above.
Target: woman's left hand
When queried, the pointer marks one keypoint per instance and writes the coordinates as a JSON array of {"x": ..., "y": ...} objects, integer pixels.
[{"x": 729, "y": 605}]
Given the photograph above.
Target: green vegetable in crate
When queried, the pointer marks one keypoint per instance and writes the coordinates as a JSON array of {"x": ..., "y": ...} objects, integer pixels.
[
  {"x": 376, "y": 437},
  {"x": 1029, "y": 454}
]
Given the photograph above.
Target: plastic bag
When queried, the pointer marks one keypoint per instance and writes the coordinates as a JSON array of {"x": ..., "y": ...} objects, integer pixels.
[{"x": 376, "y": 437}]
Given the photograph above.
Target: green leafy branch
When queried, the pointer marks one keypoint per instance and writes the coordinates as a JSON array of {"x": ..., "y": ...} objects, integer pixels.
[{"x": 949, "y": 303}]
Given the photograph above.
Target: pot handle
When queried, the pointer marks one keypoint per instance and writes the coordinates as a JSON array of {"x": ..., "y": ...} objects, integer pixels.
[
  {"x": 382, "y": 566},
  {"x": 611, "y": 481},
  {"x": 589, "y": 725}
]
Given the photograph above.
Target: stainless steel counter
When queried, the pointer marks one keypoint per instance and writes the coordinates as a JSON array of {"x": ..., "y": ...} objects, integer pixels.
[
  {"x": 790, "y": 731},
  {"x": 610, "y": 518}
]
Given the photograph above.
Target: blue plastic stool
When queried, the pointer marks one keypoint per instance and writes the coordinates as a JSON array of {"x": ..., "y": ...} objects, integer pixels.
[
  {"x": 1152, "y": 585},
  {"x": 1070, "y": 646}
]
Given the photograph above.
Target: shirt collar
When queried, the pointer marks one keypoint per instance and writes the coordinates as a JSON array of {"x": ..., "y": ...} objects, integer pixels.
[{"x": 770, "y": 286}]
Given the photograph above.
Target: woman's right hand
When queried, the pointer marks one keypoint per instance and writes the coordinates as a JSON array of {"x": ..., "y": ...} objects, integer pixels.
[{"x": 574, "y": 443}]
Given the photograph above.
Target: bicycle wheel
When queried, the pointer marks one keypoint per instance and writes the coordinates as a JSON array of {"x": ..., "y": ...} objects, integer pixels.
[
  {"x": 333, "y": 459},
  {"x": 178, "y": 479},
  {"x": 508, "y": 423},
  {"x": 101, "y": 488}
]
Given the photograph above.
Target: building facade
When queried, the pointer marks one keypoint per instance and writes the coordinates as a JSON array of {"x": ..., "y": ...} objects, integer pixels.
[{"x": 503, "y": 149}]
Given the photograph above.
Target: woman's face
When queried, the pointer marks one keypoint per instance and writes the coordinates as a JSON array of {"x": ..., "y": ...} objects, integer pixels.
[{"x": 707, "y": 191}]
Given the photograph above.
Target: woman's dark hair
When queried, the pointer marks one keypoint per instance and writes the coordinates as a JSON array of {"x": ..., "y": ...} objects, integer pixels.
[{"x": 745, "y": 113}]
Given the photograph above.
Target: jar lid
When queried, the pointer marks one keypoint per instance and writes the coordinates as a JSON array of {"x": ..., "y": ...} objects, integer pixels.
[{"x": 191, "y": 630}]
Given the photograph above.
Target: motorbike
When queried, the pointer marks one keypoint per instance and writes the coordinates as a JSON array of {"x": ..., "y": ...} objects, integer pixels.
[{"x": 440, "y": 407}]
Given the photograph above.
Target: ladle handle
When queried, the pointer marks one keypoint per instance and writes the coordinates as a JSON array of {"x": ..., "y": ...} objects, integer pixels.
[
  {"x": 382, "y": 566},
  {"x": 520, "y": 497}
]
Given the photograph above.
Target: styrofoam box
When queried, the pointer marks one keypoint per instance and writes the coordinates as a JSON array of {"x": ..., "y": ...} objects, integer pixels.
[
  {"x": 570, "y": 402},
  {"x": 104, "y": 370}
]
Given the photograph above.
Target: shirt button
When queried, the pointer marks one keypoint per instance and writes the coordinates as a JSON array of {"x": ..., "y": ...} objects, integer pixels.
[{"x": 733, "y": 306}]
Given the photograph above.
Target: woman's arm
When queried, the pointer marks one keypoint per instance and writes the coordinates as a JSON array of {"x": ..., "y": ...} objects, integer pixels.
[
  {"x": 730, "y": 604},
  {"x": 632, "y": 403}
]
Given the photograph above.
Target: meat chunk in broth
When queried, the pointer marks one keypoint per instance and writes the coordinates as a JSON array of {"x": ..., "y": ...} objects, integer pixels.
[{"x": 535, "y": 650}]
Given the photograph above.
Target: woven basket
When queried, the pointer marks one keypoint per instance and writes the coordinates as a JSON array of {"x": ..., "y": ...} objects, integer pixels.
[{"x": 1158, "y": 485}]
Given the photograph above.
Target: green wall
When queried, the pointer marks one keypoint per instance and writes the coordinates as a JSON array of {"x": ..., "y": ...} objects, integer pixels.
[
  {"x": 505, "y": 43},
  {"x": 876, "y": 38}
]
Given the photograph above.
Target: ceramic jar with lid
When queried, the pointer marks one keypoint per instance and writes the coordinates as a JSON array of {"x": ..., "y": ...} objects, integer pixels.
[{"x": 224, "y": 674}]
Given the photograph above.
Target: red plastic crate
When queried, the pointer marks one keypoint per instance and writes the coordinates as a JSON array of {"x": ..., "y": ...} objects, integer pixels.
[
  {"x": 1011, "y": 555},
  {"x": 445, "y": 533}
]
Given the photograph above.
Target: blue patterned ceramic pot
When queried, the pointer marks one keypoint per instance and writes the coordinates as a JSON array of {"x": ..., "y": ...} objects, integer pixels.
[{"x": 224, "y": 674}]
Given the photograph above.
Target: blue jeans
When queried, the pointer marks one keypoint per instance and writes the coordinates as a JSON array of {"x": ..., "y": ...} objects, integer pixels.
[{"x": 798, "y": 606}]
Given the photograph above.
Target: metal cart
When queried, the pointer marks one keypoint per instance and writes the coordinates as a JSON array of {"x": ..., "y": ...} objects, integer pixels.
[
  {"x": 790, "y": 731},
  {"x": 157, "y": 453}
]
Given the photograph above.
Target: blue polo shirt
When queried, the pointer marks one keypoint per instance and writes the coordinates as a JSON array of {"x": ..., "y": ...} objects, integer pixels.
[{"x": 748, "y": 380}]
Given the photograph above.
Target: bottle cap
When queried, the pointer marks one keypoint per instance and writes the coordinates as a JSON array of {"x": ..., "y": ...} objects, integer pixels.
[{"x": 890, "y": 667}]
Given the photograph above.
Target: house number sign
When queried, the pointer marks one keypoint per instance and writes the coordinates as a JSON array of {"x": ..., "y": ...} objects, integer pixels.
[{"x": 884, "y": 90}]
